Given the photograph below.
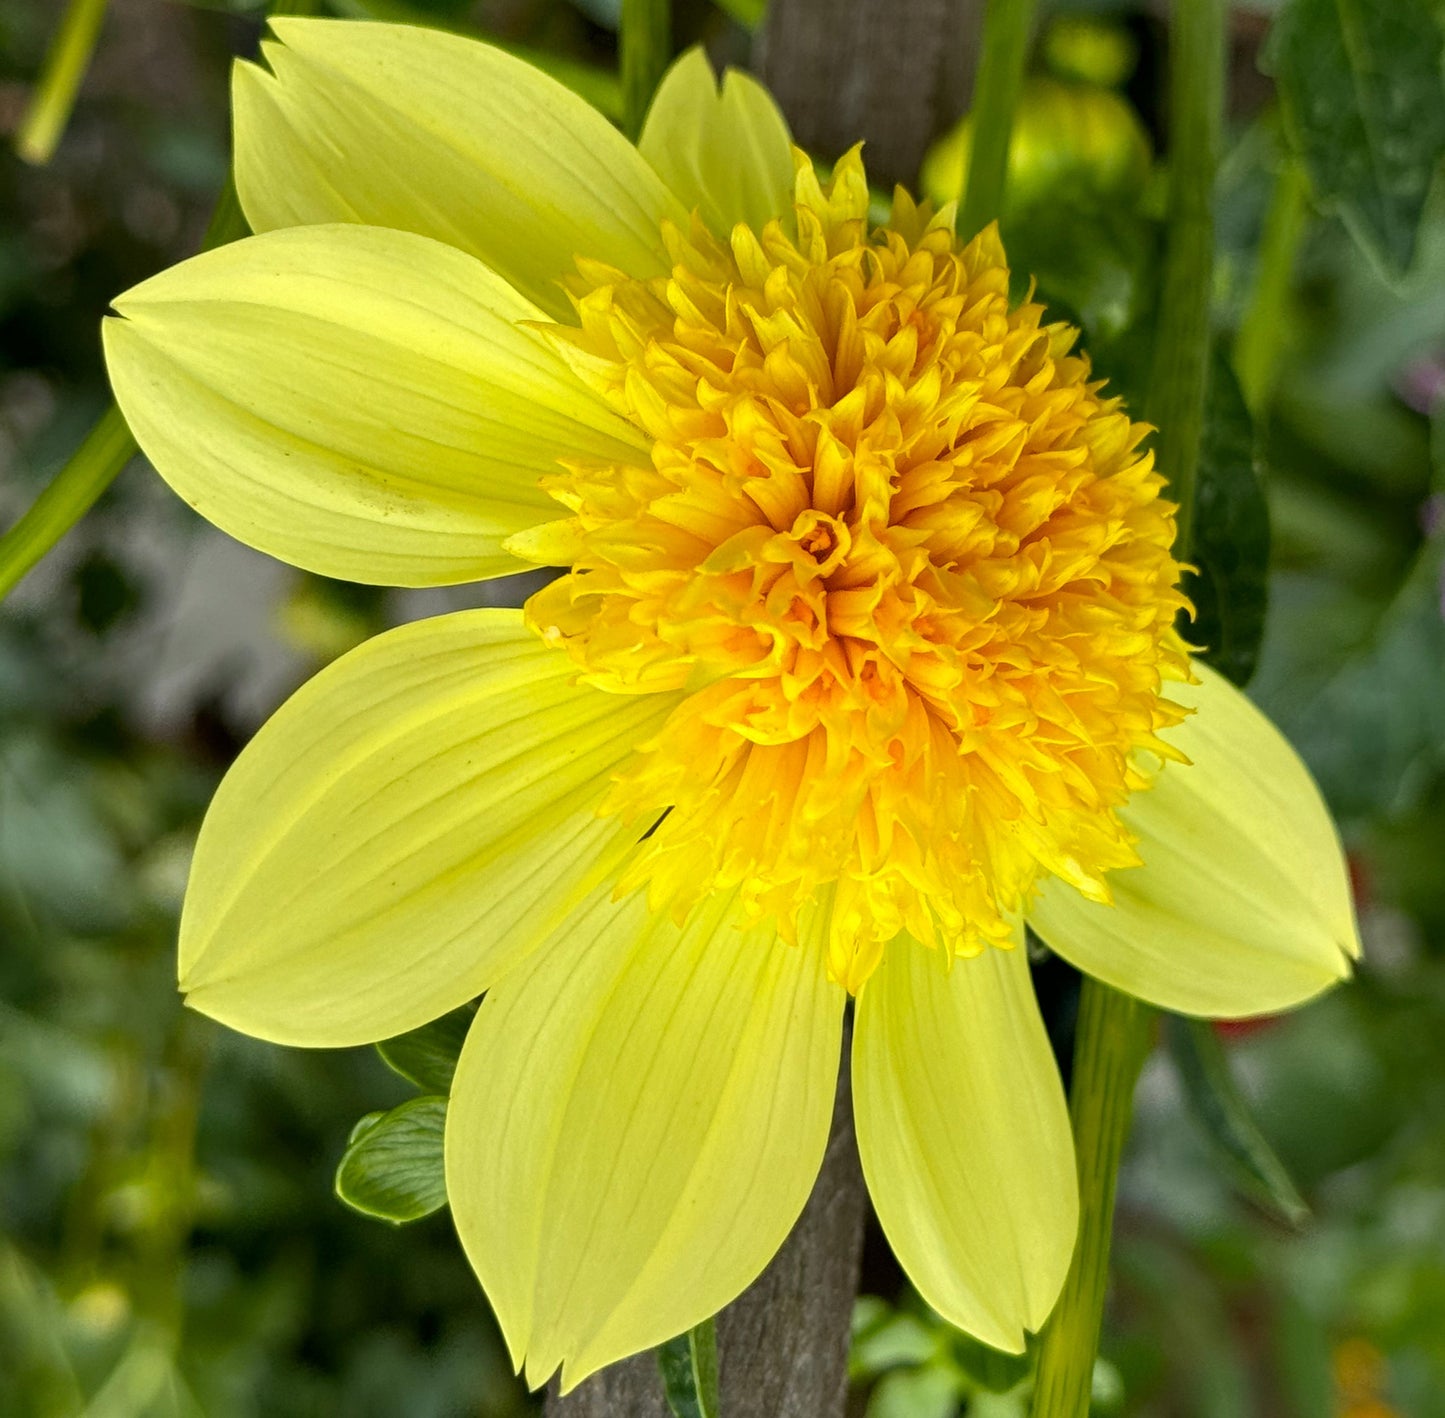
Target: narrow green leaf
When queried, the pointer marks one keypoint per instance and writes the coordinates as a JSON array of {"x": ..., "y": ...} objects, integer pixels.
[
  {"x": 392, "y": 1166},
  {"x": 427, "y": 1056},
  {"x": 688, "y": 1365},
  {"x": 1231, "y": 534},
  {"x": 1228, "y": 1124},
  {"x": 1360, "y": 87}
]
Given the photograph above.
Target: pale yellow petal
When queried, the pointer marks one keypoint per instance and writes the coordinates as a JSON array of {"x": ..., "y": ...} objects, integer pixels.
[
  {"x": 408, "y": 127},
  {"x": 964, "y": 1136},
  {"x": 637, "y": 1120},
  {"x": 410, "y": 824},
  {"x": 357, "y": 401},
  {"x": 1242, "y": 905},
  {"x": 725, "y": 152}
]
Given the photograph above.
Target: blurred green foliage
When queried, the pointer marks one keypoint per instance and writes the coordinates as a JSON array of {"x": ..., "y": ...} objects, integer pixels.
[{"x": 169, "y": 1238}]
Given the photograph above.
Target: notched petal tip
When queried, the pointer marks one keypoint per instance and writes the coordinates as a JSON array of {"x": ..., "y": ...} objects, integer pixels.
[{"x": 1242, "y": 906}]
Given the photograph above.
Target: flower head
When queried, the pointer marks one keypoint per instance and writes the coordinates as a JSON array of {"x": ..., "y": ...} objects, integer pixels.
[
  {"x": 909, "y": 565},
  {"x": 864, "y": 651}
]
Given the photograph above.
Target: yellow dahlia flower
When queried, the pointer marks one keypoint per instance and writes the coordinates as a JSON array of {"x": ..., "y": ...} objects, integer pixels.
[{"x": 865, "y": 655}]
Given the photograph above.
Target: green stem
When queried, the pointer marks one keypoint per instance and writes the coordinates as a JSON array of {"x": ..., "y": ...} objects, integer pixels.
[
  {"x": 59, "y": 81},
  {"x": 645, "y": 44},
  {"x": 1114, "y": 1035},
  {"x": 1261, "y": 337},
  {"x": 1182, "y": 338},
  {"x": 1114, "y": 1030},
  {"x": 108, "y": 447},
  {"x": 1007, "y": 25}
]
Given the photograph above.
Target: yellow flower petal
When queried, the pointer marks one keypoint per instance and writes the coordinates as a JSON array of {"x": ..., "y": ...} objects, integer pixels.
[
  {"x": 407, "y": 127},
  {"x": 964, "y": 1136},
  {"x": 637, "y": 1119},
  {"x": 725, "y": 152},
  {"x": 1243, "y": 903},
  {"x": 356, "y": 401},
  {"x": 407, "y": 826}
]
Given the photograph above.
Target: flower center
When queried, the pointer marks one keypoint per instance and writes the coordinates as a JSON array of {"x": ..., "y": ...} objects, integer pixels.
[{"x": 907, "y": 569}]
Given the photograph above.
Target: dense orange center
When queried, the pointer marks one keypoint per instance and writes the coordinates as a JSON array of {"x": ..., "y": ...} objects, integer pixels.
[{"x": 909, "y": 568}]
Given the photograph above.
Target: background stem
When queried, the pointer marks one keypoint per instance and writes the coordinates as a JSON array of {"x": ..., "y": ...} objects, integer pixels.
[
  {"x": 1007, "y": 25},
  {"x": 65, "y": 65},
  {"x": 109, "y": 446},
  {"x": 1181, "y": 341},
  {"x": 645, "y": 45},
  {"x": 1263, "y": 331},
  {"x": 1115, "y": 1031}
]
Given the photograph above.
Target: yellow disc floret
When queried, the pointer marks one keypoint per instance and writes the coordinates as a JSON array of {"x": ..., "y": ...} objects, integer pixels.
[{"x": 908, "y": 567}]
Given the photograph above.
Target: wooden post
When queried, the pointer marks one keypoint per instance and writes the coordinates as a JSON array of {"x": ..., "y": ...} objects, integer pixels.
[
  {"x": 891, "y": 72},
  {"x": 783, "y": 1344}
]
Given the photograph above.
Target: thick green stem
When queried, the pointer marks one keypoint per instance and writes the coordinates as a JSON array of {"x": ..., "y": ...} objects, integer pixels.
[
  {"x": 1261, "y": 337},
  {"x": 1114, "y": 1035},
  {"x": 1181, "y": 342},
  {"x": 645, "y": 43},
  {"x": 65, "y": 65},
  {"x": 1115, "y": 1031},
  {"x": 1007, "y": 25}
]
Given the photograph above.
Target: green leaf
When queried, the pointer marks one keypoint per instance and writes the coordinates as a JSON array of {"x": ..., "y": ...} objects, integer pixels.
[
  {"x": 392, "y": 1166},
  {"x": 1231, "y": 534},
  {"x": 916, "y": 1393},
  {"x": 1375, "y": 733},
  {"x": 427, "y": 1056},
  {"x": 748, "y": 13},
  {"x": 1361, "y": 92},
  {"x": 688, "y": 1365},
  {"x": 1225, "y": 1116},
  {"x": 989, "y": 1369},
  {"x": 885, "y": 1338}
]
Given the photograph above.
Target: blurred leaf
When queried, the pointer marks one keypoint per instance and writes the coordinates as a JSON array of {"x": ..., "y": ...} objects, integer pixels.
[
  {"x": 990, "y": 1369},
  {"x": 427, "y": 1056},
  {"x": 1225, "y": 1116},
  {"x": 884, "y": 1338},
  {"x": 1231, "y": 534},
  {"x": 915, "y": 1393},
  {"x": 1097, "y": 263},
  {"x": 688, "y": 1364},
  {"x": 1376, "y": 731},
  {"x": 748, "y": 13},
  {"x": 1360, "y": 87},
  {"x": 392, "y": 1167}
]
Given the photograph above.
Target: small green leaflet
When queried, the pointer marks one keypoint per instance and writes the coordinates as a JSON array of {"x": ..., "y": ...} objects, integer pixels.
[
  {"x": 1223, "y": 1113},
  {"x": 1364, "y": 105},
  {"x": 689, "y": 1372},
  {"x": 392, "y": 1167},
  {"x": 1231, "y": 534},
  {"x": 427, "y": 1056}
]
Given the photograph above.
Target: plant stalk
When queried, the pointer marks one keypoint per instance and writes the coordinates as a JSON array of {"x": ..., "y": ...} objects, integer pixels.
[
  {"x": 65, "y": 64},
  {"x": 1262, "y": 332},
  {"x": 1007, "y": 26},
  {"x": 1115, "y": 1031},
  {"x": 1182, "y": 336},
  {"x": 109, "y": 446},
  {"x": 645, "y": 45},
  {"x": 1114, "y": 1035}
]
